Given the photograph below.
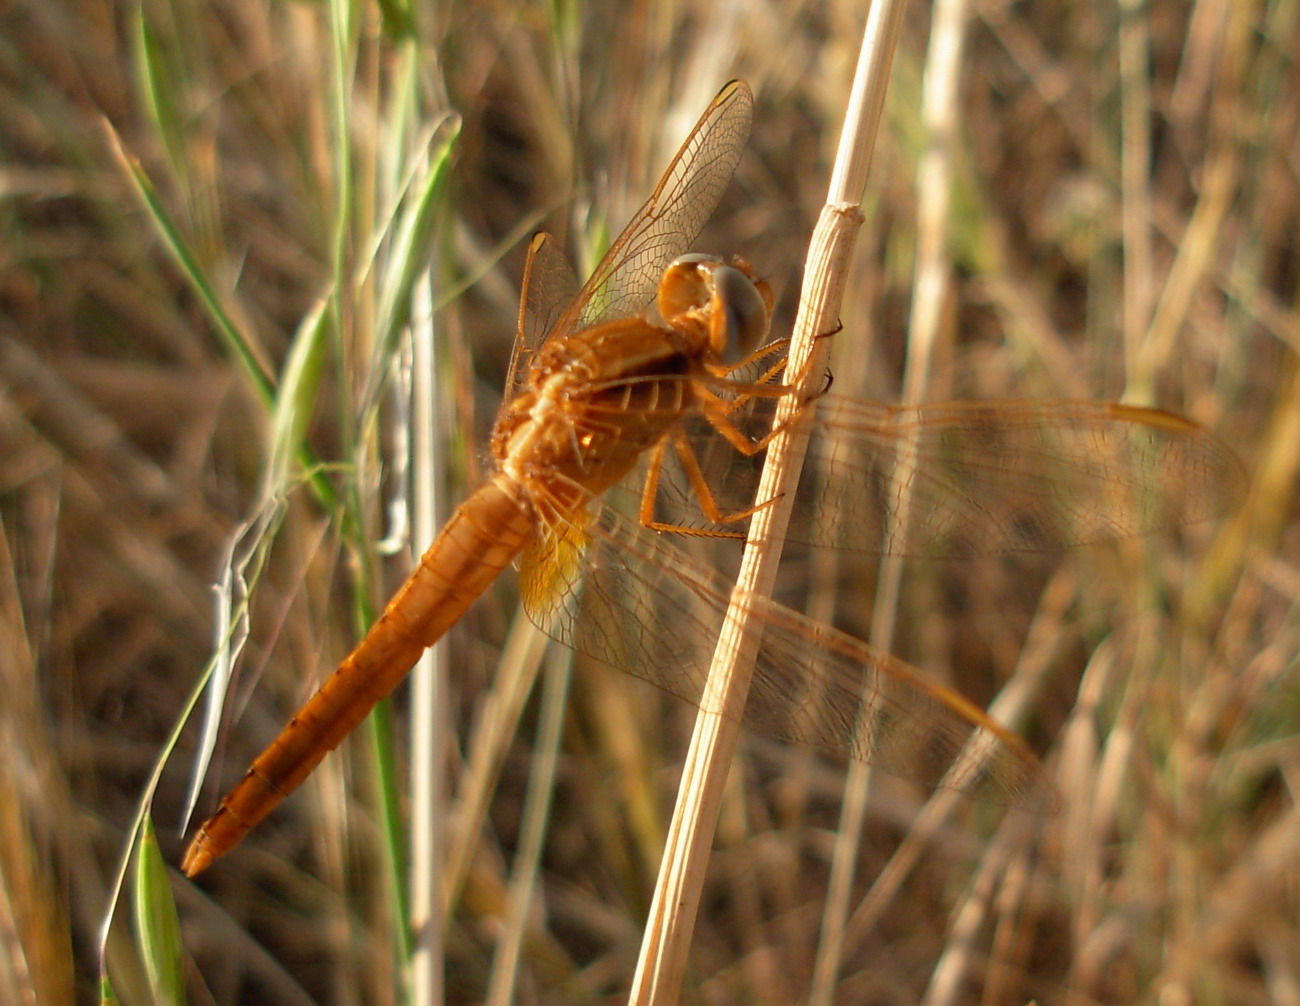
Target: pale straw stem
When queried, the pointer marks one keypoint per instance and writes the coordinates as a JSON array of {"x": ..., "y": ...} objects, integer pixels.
[
  {"x": 931, "y": 278},
  {"x": 428, "y": 682},
  {"x": 669, "y": 929}
]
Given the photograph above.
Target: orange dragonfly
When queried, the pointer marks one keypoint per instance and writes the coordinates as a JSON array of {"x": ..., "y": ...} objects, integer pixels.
[{"x": 601, "y": 378}]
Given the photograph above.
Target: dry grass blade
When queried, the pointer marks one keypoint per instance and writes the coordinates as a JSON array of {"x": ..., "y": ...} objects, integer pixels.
[
  {"x": 36, "y": 959},
  {"x": 669, "y": 929}
]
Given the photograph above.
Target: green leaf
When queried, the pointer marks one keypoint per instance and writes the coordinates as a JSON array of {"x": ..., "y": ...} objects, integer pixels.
[{"x": 157, "y": 923}]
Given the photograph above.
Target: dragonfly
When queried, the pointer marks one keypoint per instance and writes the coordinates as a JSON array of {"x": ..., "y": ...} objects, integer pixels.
[{"x": 658, "y": 358}]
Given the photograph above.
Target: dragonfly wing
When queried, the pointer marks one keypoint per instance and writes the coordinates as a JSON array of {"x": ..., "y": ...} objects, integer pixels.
[
  {"x": 646, "y": 609},
  {"x": 549, "y": 286},
  {"x": 627, "y": 278},
  {"x": 979, "y": 477}
]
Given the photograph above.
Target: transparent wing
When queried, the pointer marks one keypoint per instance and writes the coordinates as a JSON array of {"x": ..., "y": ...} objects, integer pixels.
[
  {"x": 549, "y": 286},
  {"x": 626, "y": 279},
  {"x": 646, "y": 609},
  {"x": 981, "y": 477}
]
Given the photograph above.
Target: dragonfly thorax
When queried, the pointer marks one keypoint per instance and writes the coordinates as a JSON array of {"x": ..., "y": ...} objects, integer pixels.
[{"x": 593, "y": 403}]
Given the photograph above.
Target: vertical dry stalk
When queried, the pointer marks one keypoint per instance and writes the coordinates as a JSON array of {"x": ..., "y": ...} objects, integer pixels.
[
  {"x": 934, "y": 180},
  {"x": 428, "y": 682},
  {"x": 667, "y": 936}
]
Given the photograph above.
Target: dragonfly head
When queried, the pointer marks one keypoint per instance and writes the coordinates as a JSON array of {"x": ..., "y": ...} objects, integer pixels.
[{"x": 735, "y": 306}]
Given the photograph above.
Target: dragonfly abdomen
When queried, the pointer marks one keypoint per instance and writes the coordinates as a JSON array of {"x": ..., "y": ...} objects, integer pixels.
[{"x": 482, "y": 537}]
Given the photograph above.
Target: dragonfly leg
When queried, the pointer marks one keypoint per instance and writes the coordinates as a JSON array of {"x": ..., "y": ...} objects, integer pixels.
[
  {"x": 761, "y": 386},
  {"x": 764, "y": 379},
  {"x": 718, "y": 412},
  {"x": 740, "y": 392},
  {"x": 758, "y": 354},
  {"x": 708, "y": 505},
  {"x": 691, "y": 463}
]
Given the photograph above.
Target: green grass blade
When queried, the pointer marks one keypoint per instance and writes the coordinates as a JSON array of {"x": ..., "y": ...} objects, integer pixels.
[
  {"x": 157, "y": 923},
  {"x": 230, "y": 333}
]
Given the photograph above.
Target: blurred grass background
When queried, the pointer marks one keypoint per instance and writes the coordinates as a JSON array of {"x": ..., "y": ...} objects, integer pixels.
[{"x": 1124, "y": 224}]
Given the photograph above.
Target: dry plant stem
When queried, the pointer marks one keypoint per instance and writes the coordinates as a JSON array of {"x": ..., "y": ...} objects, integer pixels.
[
  {"x": 1134, "y": 58},
  {"x": 1039, "y": 656},
  {"x": 669, "y": 928},
  {"x": 428, "y": 691},
  {"x": 672, "y": 913},
  {"x": 502, "y": 989},
  {"x": 520, "y": 662},
  {"x": 969, "y": 920},
  {"x": 929, "y": 288}
]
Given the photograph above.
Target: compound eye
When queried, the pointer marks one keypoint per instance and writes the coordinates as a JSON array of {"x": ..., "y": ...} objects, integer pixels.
[{"x": 744, "y": 310}]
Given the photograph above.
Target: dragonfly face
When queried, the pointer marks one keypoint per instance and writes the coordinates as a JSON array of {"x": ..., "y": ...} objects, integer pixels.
[{"x": 735, "y": 304}]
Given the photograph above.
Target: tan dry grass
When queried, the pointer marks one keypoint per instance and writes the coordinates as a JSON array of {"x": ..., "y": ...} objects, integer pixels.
[{"x": 1114, "y": 233}]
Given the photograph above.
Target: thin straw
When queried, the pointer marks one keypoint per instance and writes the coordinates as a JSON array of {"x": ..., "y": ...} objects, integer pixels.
[{"x": 669, "y": 929}]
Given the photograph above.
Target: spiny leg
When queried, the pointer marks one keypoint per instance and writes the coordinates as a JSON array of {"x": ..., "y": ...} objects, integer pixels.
[
  {"x": 695, "y": 474},
  {"x": 762, "y": 386},
  {"x": 717, "y": 410},
  {"x": 758, "y": 354}
]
